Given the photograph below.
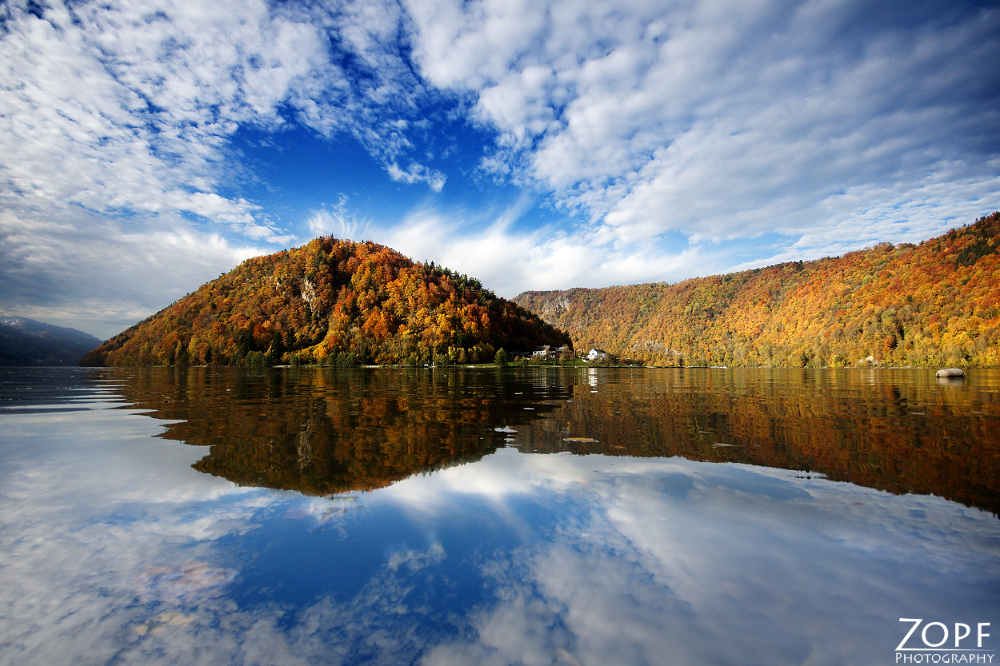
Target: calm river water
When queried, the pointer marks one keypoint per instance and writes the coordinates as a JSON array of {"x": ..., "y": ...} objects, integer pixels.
[{"x": 534, "y": 516}]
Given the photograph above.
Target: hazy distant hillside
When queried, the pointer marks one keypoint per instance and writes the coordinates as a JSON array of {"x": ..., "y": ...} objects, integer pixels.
[
  {"x": 929, "y": 304},
  {"x": 331, "y": 301},
  {"x": 28, "y": 342}
]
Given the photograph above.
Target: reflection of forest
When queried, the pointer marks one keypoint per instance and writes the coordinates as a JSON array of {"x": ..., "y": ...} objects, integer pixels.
[
  {"x": 329, "y": 431},
  {"x": 323, "y": 431},
  {"x": 900, "y": 431}
]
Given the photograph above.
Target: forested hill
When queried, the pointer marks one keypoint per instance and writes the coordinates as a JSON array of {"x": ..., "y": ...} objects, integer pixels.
[
  {"x": 333, "y": 302},
  {"x": 936, "y": 303}
]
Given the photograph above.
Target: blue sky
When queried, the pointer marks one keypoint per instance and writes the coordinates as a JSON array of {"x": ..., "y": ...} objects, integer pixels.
[{"x": 147, "y": 147}]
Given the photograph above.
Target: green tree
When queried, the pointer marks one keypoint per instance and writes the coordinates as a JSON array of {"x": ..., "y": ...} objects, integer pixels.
[{"x": 180, "y": 354}]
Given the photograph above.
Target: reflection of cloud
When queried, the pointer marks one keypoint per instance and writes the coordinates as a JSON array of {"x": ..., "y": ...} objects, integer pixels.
[
  {"x": 611, "y": 560},
  {"x": 324, "y": 512},
  {"x": 749, "y": 561},
  {"x": 163, "y": 621},
  {"x": 90, "y": 501},
  {"x": 191, "y": 581},
  {"x": 417, "y": 559}
]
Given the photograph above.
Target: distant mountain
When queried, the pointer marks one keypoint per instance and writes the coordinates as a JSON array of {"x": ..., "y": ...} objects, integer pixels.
[
  {"x": 936, "y": 303},
  {"x": 332, "y": 302},
  {"x": 25, "y": 341}
]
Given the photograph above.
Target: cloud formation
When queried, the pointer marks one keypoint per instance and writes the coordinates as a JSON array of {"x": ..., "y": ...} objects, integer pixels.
[
  {"x": 509, "y": 260},
  {"x": 723, "y": 119},
  {"x": 653, "y": 136},
  {"x": 115, "y": 123},
  {"x": 338, "y": 222}
]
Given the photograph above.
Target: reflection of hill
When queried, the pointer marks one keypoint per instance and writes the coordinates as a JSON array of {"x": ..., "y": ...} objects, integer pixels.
[
  {"x": 330, "y": 431},
  {"x": 899, "y": 431},
  {"x": 325, "y": 431}
]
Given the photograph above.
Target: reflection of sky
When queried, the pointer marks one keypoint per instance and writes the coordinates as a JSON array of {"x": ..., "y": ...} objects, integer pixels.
[{"x": 112, "y": 549}]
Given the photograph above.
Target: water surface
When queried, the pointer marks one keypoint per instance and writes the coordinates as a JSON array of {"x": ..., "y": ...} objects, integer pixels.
[{"x": 545, "y": 516}]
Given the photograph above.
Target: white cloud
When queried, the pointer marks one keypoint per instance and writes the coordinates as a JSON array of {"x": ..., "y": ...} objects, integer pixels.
[
  {"x": 832, "y": 125},
  {"x": 338, "y": 222},
  {"x": 112, "y": 124},
  {"x": 127, "y": 107},
  {"x": 115, "y": 122},
  {"x": 510, "y": 260},
  {"x": 417, "y": 173},
  {"x": 727, "y": 119},
  {"x": 76, "y": 268}
]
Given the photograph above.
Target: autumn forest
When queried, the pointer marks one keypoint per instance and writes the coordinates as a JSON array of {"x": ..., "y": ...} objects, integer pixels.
[
  {"x": 331, "y": 302},
  {"x": 931, "y": 304}
]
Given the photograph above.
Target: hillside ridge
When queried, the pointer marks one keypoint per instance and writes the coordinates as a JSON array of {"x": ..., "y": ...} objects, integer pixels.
[
  {"x": 930, "y": 304},
  {"x": 332, "y": 302},
  {"x": 28, "y": 342}
]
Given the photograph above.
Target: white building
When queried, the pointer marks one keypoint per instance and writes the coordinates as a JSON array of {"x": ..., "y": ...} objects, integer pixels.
[{"x": 597, "y": 355}]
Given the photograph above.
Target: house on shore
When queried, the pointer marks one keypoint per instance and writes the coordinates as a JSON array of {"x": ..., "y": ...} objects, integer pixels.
[
  {"x": 547, "y": 353},
  {"x": 598, "y": 355}
]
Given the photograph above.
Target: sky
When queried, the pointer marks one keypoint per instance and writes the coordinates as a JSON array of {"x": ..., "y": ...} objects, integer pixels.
[{"x": 148, "y": 147}]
